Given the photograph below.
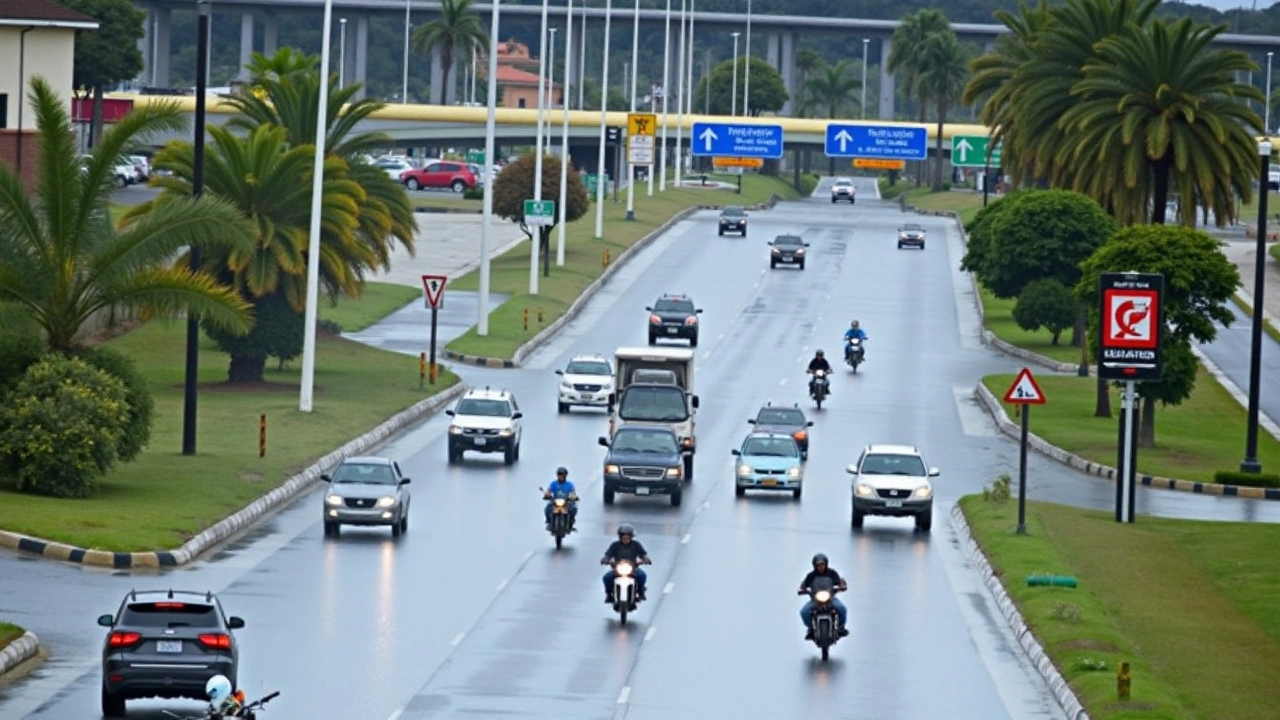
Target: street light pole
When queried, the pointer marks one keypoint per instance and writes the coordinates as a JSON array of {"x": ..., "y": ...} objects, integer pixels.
[
  {"x": 564, "y": 133},
  {"x": 862, "y": 104},
  {"x": 1250, "y": 463},
  {"x": 342, "y": 53},
  {"x": 190, "y": 382},
  {"x": 604, "y": 122},
  {"x": 680, "y": 75},
  {"x": 582, "y": 60},
  {"x": 543, "y": 71},
  {"x": 631, "y": 169},
  {"x": 486, "y": 224},
  {"x": 404, "y": 81},
  {"x": 307, "y": 388},
  {"x": 666, "y": 74},
  {"x": 551, "y": 80},
  {"x": 733, "y": 102},
  {"x": 1266, "y": 129},
  {"x": 746, "y": 77}
]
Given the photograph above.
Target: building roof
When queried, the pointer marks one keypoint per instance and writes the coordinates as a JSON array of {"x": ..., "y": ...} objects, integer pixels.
[
  {"x": 43, "y": 13},
  {"x": 508, "y": 75}
]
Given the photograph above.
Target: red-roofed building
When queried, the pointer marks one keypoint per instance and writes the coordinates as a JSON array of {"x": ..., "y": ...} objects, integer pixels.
[{"x": 518, "y": 77}]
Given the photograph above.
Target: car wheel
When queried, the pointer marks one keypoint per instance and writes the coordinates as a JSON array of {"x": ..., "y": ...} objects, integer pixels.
[
  {"x": 396, "y": 530},
  {"x": 112, "y": 704},
  {"x": 921, "y": 246},
  {"x": 924, "y": 521},
  {"x": 688, "y": 468},
  {"x": 796, "y": 493},
  {"x": 459, "y": 186},
  {"x": 856, "y": 520},
  {"x": 739, "y": 491},
  {"x": 455, "y": 455},
  {"x": 773, "y": 265},
  {"x": 608, "y": 496},
  {"x": 653, "y": 339},
  {"x": 744, "y": 233},
  {"x": 518, "y": 444},
  {"x": 693, "y": 341},
  {"x": 412, "y": 184},
  {"x": 404, "y": 521},
  {"x": 834, "y": 201},
  {"x": 676, "y": 498},
  {"x": 899, "y": 246},
  {"x": 563, "y": 408},
  {"x": 331, "y": 529},
  {"x": 509, "y": 455},
  {"x": 722, "y": 232},
  {"x": 801, "y": 265}
]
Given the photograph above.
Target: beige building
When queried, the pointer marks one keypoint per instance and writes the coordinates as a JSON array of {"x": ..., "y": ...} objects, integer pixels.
[{"x": 37, "y": 39}]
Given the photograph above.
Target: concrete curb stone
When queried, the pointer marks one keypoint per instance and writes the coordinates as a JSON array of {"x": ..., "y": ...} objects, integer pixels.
[{"x": 18, "y": 652}]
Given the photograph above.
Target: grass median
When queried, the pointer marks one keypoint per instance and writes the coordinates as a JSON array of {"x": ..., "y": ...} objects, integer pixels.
[
  {"x": 164, "y": 498},
  {"x": 1189, "y": 605},
  {"x": 584, "y": 261},
  {"x": 8, "y": 633},
  {"x": 1194, "y": 440},
  {"x": 376, "y": 301}
]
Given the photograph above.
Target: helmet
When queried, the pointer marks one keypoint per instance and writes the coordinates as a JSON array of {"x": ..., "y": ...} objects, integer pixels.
[
  {"x": 218, "y": 689},
  {"x": 625, "y": 529},
  {"x": 855, "y": 325},
  {"x": 562, "y": 470},
  {"x": 820, "y": 559},
  {"x": 819, "y": 353}
]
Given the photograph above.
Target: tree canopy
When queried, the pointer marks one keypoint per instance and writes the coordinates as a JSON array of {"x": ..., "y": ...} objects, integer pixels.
[
  {"x": 768, "y": 94},
  {"x": 109, "y": 54}
]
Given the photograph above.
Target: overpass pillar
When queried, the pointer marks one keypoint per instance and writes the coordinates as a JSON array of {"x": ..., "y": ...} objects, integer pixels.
[
  {"x": 787, "y": 69},
  {"x": 270, "y": 34},
  {"x": 155, "y": 48},
  {"x": 887, "y": 89},
  {"x": 436, "y": 96},
  {"x": 451, "y": 84},
  {"x": 362, "y": 55},
  {"x": 771, "y": 54},
  {"x": 246, "y": 43}
]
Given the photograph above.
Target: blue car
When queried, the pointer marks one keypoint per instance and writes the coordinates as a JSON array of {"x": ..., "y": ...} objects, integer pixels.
[{"x": 768, "y": 461}]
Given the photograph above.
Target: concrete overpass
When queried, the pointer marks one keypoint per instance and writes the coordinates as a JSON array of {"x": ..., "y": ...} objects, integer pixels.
[{"x": 779, "y": 30}]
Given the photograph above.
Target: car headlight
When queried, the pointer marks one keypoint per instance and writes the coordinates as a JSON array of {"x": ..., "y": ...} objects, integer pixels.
[
  {"x": 566, "y": 386},
  {"x": 776, "y": 251},
  {"x": 794, "y": 472},
  {"x": 924, "y": 491},
  {"x": 675, "y": 472},
  {"x": 800, "y": 251},
  {"x": 505, "y": 432},
  {"x": 822, "y": 596},
  {"x": 744, "y": 470},
  {"x": 864, "y": 490},
  {"x": 692, "y": 320},
  {"x": 623, "y": 568},
  {"x": 334, "y": 500},
  {"x": 387, "y": 501},
  {"x": 611, "y": 470},
  {"x": 455, "y": 430}
]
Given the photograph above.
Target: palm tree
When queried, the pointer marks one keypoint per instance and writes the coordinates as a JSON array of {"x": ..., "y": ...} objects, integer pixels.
[
  {"x": 905, "y": 58},
  {"x": 456, "y": 32},
  {"x": 1158, "y": 103},
  {"x": 833, "y": 90},
  {"x": 942, "y": 77},
  {"x": 62, "y": 261}
]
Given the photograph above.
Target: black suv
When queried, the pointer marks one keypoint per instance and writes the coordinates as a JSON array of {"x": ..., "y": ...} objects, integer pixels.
[
  {"x": 733, "y": 219},
  {"x": 673, "y": 316},
  {"x": 787, "y": 250},
  {"x": 643, "y": 460},
  {"x": 779, "y": 420},
  {"x": 166, "y": 643}
]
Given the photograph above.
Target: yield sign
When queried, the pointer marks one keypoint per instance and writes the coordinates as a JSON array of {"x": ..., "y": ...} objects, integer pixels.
[
  {"x": 1024, "y": 390},
  {"x": 434, "y": 286}
]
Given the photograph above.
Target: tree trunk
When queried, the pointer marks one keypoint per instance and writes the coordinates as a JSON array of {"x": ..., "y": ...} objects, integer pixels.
[
  {"x": 95, "y": 122},
  {"x": 544, "y": 238},
  {"x": 247, "y": 368},
  {"x": 1160, "y": 191},
  {"x": 1102, "y": 408},
  {"x": 1147, "y": 428},
  {"x": 1056, "y": 335},
  {"x": 1082, "y": 324},
  {"x": 937, "y": 160}
]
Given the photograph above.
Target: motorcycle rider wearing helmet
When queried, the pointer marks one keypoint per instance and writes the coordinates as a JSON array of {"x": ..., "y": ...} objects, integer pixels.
[
  {"x": 222, "y": 700},
  {"x": 855, "y": 332},
  {"x": 822, "y": 569},
  {"x": 819, "y": 362},
  {"x": 561, "y": 488},
  {"x": 625, "y": 548}
]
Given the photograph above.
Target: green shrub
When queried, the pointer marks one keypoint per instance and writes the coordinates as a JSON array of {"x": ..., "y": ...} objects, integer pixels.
[
  {"x": 18, "y": 351},
  {"x": 61, "y": 426},
  {"x": 137, "y": 428},
  {"x": 889, "y": 192},
  {"x": 1235, "y": 477},
  {"x": 999, "y": 492},
  {"x": 1275, "y": 252},
  {"x": 946, "y": 187},
  {"x": 1046, "y": 303},
  {"x": 475, "y": 193}
]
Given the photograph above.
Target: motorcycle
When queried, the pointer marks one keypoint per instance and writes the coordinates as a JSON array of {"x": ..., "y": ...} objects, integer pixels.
[
  {"x": 246, "y": 712},
  {"x": 561, "y": 520},
  {"x": 824, "y": 621},
  {"x": 819, "y": 387},
  {"x": 854, "y": 355},
  {"x": 626, "y": 590}
]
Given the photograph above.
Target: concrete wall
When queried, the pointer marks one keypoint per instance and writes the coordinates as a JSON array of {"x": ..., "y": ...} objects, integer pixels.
[{"x": 48, "y": 53}]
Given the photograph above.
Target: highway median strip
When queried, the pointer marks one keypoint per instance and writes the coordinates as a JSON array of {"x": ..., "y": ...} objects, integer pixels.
[{"x": 16, "y": 646}]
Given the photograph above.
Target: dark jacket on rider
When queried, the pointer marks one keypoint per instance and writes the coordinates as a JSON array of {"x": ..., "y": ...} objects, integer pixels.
[
  {"x": 632, "y": 551},
  {"x": 836, "y": 581},
  {"x": 819, "y": 363}
]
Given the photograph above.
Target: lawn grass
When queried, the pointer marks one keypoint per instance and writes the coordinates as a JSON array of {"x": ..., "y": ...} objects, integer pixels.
[
  {"x": 1189, "y": 605},
  {"x": 998, "y": 315},
  {"x": 376, "y": 301},
  {"x": 9, "y": 633},
  {"x": 445, "y": 201},
  {"x": 1194, "y": 440},
  {"x": 584, "y": 262},
  {"x": 116, "y": 211},
  {"x": 164, "y": 498},
  {"x": 1247, "y": 309},
  {"x": 966, "y": 203},
  {"x": 1249, "y": 210}
]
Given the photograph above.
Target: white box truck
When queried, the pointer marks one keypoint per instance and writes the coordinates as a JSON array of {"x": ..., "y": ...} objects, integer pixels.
[{"x": 654, "y": 386}]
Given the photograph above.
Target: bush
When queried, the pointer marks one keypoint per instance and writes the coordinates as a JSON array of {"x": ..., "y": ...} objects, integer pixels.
[
  {"x": 999, "y": 492},
  {"x": 1046, "y": 303},
  {"x": 475, "y": 193},
  {"x": 808, "y": 183},
  {"x": 1275, "y": 252},
  {"x": 18, "y": 351},
  {"x": 137, "y": 428},
  {"x": 1235, "y": 477},
  {"x": 62, "y": 425},
  {"x": 889, "y": 191}
]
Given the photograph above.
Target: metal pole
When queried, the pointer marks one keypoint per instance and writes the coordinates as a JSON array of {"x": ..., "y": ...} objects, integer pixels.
[
  {"x": 490, "y": 125},
  {"x": 680, "y": 99},
  {"x": 474, "y": 62},
  {"x": 313, "y": 246},
  {"x": 1131, "y": 478},
  {"x": 733, "y": 101},
  {"x": 862, "y": 104},
  {"x": 342, "y": 53},
  {"x": 631, "y": 169},
  {"x": 543, "y": 70},
  {"x": 404, "y": 84},
  {"x": 746, "y": 77},
  {"x": 189, "y": 385},
  {"x": 601, "y": 185},
  {"x": 551, "y": 101},
  {"x": 1123, "y": 489},
  {"x": 1266, "y": 124},
  {"x": 1022, "y": 472},
  {"x": 1251, "y": 463},
  {"x": 434, "y": 312},
  {"x": 564, "y": 134},
  {"x": 22, "y": 90},
  {"x": 692, "y": 14},
  {"x": 582, "y": 59},
  {"x": 666, "y": 75}
]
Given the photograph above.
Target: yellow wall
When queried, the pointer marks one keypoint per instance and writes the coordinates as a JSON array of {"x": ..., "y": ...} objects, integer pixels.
[{"x": 49, "y": 53}]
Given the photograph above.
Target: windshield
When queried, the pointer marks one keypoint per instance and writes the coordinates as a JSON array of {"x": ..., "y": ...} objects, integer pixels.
[
  {"x": 364, "y": 474},
  {"x": 893, "y": 465},
  {"x": 844, "y": 183},
  {"x": 777, "y": 447},
  {"x": 588, "y": 367},
  {"x": 488, "y": 408},
  {"x": 733, "y": 211},
  {"x": 911, "y": 227},
  {"x": 659, "y": 404},
  {"x": 645, "y": 441},
  {"x": 788, "y": 240},
  {"x": 780, "y": 417},
  {"x": 674, "y": 306}
]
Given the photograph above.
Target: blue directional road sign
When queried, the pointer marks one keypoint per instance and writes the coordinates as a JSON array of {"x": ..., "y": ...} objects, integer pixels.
[
  {"x": 726, "y": 139},
  {"x": 890, "y": 142}
]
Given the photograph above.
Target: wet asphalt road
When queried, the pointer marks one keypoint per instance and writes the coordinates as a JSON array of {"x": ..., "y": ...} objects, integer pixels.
[
  {"x": 1230, "y": 351},
  {"x": 474, "y": 614}
]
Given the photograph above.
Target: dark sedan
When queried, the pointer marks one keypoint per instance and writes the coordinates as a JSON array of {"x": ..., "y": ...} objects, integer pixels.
[
  {"x": 733, "y": 219},
  {"x": 787, "y": 250},
  {"x": 784, "y": 421}
]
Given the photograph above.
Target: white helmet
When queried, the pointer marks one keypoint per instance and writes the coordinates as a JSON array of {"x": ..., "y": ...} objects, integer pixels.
[{"x": 218, "y": 689}]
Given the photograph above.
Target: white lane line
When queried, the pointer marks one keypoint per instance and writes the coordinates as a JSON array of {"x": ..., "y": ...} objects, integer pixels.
[
  {"x": 649, "y": 635},
  {"x": 687, "y": 537},
  {"x": 457, "y": 639},
  {"x": 702, "y": 507},
  {"x": 624, "y": 695},
  {"x": 667, "y": 590},
  {"x": 721, "y": 337},
  {"x": 502, "y": 586},
  {"x": 526, "y": 557},
  {"x": 783, "y": 381},
  {"x": 394, "y": 715}
]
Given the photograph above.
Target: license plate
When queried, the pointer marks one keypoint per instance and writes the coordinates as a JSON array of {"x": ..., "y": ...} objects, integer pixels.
[
  {"x": 893, "y": 503},
  {"x": 169, "y": 646},
  {"x": 481, "y": 441},
  {"x": 770, "y": 483},
  {"x": 672, "y": 331},
  {"x": 584, "y": 397},
  {"x": 642, "y": 491}
]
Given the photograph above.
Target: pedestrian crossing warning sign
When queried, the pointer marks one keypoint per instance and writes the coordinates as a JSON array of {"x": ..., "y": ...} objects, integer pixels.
[{"x": 1025, "y": 390}]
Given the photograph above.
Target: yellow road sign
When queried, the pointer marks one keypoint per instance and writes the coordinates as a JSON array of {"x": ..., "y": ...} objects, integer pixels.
[
  {"x": 879, "y": 164},
  {"x": 737, "y": 162},
  {"x": 642, "y": 124}
]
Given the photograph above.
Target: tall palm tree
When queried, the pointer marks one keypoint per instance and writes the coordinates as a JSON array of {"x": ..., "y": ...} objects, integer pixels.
[
  {"x": 61, "y": 260},
  {"x": 905, "y": 59},
  {"x": 1163, "y": 104},
  {"x": 942, "y": 77},
  {"x": 455, "y": 33},
  {"x": 833, "y": 89}
]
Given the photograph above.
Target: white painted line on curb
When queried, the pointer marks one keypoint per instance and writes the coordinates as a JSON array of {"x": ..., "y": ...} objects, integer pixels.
[
  {"x": 667, "y": 590},
  {"x": 649, "y": 635},
  {"x": 624, "y": 695},
  {"x": 457, "y": 640},
  {"x": 687, "y": 537}
]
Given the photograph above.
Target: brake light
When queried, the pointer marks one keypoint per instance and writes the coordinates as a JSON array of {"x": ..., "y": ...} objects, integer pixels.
[
  {"x": 654, "y": 319},
  {"x": 170, "y": 605},
  {"x": 123, "y": 639},
  {"x": 801, "y": 435},
  {"x": 216, "y": 641},
  {"x": 691, "y": 320}
]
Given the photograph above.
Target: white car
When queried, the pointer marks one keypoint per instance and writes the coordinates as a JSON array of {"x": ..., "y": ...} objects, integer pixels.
[
  {"x": 893, "y": 481},
  {"x": 393, "y": 167},
  {"x": 586, "y": 380},
  {"x": 485, "y": 421}
]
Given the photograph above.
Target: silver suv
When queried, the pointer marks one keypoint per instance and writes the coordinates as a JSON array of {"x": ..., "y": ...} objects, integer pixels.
[
  {"x": 486, "y": 421},
  {"x": 366, "y": 491},
  {"x": 893, "y": 481}
]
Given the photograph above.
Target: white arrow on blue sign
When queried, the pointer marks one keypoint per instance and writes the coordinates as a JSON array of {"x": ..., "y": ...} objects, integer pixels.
[
  {"x": 888, "y": 142},
  {"x": 731, "y": 140}
]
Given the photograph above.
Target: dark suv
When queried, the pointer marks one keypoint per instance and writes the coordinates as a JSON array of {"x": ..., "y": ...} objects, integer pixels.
[
  {"x": 674, "y": 316},
  {"x": 787, "y": 250},
  {"x": 166, "y": 643},
  {"x": 643, "y": 460},
  {"x": 733, "y": 219}
]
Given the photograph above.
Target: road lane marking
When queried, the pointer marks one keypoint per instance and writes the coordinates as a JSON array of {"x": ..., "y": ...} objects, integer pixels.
[
  {"x": 526, "y": 557},
  {"x": 667, "y": 590},
  {"x": 783, "y": 381},
  {"x": 457, "y": 640},
  {"x": 687, "y": 537},
  {"x": 624, "y": 695},
  {"x": 395, "y": 715},
  {"x": 649, "y": 635},
  {"x": 502, "y": 585}
]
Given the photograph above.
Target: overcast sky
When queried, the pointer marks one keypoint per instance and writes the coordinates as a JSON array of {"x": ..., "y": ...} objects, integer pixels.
[{"x": 1230, "y": 4}]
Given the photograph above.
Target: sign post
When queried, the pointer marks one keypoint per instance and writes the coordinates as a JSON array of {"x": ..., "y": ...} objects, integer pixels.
[
  {"x": 1024, "y": 392},
  {"x": 433, "y": 288},
  {"x": 539, "y": 212},
  {"x": 640, "y": 138},
  {"x": 1131, "y": 307}
]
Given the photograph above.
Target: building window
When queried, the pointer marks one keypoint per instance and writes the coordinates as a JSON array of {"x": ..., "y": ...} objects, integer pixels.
[
  {"x": 4, "y": 110},
  {"x": 520, "y": 102}
]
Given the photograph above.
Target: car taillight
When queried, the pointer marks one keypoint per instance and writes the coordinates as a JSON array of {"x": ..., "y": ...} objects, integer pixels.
[
  {"x": 654, "y": 319},
  {"x": 169, "y": 605},
  {"x": 692, "y": 320},
  {"x": 801, "y": 435},
  {"x": 216, "y": 641},
  {"x": 123, "y": 639}
]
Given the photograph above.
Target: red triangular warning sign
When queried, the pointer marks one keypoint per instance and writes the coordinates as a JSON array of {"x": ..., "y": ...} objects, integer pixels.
[
  {"x": 1025, "y": 390},
  {"x": 433, "y": 285}
]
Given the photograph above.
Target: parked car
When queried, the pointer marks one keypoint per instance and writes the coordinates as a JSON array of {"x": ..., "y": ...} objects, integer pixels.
[
  {"x": 394, "y": 167},
  {"x": 366, "y": 491},
  {"x": 456, "y": 176}
]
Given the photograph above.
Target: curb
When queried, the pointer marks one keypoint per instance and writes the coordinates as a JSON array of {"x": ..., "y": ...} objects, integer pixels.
[
  {"x": 18, "y": 652},
  {"x": 234, "y": 523},
  {"x": 1058, "y": 685},
  {"x": 588, "y": 292},
  {"x": 1035, "y": 442},
  {"x": 437, "y": 210}
]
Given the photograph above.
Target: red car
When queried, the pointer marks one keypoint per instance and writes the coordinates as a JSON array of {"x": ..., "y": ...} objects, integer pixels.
[{"x": 440, "y": 174}]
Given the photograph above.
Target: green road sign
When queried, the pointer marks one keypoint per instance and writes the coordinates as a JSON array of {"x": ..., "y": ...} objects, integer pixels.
[
  {"x": 971, "y": 151},
  {"x": 592, "y": 181},
  {"x": 475, "y": 156},
  {"x": 539, "y": 212}
]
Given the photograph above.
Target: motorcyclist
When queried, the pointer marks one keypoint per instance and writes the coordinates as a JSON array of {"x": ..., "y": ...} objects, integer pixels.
[
  {"x": 819, "y": 362},
  {"x": 822, "y": 569},
  {"x": 561, "y": 488},
  {"x": 625, "y": 548},
  {"x": 222, "y": 700},
  {"x": 855, "y": 332}
]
